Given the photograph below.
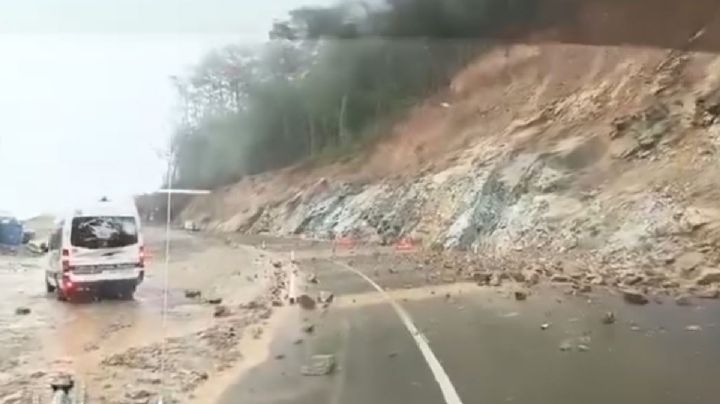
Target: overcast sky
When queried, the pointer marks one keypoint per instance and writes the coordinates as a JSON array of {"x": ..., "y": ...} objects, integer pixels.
[{"x": 85, "y": 99}]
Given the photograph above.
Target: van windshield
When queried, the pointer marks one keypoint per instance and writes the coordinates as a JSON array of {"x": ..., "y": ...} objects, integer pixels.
[{"x": 103, "y": 232}]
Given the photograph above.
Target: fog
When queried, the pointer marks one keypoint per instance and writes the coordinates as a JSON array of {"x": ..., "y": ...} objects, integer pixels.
[{"x": 86, "y": 104}]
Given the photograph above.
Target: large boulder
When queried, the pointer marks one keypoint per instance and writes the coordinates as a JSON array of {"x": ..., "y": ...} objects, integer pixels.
[
  {"x": 634, "y": 296},
  {"x": 708, "y": 277}
]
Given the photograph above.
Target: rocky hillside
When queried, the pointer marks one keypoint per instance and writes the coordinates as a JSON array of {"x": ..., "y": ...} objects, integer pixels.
[{"x": 602, "y": 160}]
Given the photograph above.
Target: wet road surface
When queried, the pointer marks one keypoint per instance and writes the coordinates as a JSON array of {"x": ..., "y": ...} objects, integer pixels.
[{"x": 493, "y": 348}]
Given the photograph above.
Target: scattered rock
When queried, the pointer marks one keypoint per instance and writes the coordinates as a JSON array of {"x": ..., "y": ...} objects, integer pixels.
[
  {"x": 192, "y": 293},
  {"x": 308, "y": 329},
  {"x": 392, "y": 354},
  {"x": 277, "y": 264},
  {"x": 520, "y": 295},
  {"x": 688, "y": 262},
  {"x": 325, "y": 297},
  {"x": 89, "y": 347},
  {"x": 37, "y": 374},
  {"x": 608, "y": 318},
  {"x": 253, "y": 305},
  {"x": 560, "y": 278},
  {"x": 532, "y": 278},
  {"x": 312, "y": 278},
  {"x": 517, "y": 276},
  {"x": 22, "y": 311},
  {"x": 150, "y": 380},
  {"x": 306, "y": 302},
  {"x": 320, "y": 365},
  {"x": 214, "y": 300},
  {"x": 277, "y": 303},
  {"x": 280, "y": 356},
  {"x": 221, "y": 311},
  {"x": 256, "y": 332},
  {"x": 298, "y": 341},
  {"x": 138, "y": 395},
  {"x": 711, "y": 293},
  {"x": 495, "y": 281},
  {"x": 693, "y": 328},
  {"x": 585, "y": 289},
  {"x": 683, "y": 300},
  {"x": 481, "y": 277},
  {"x": 698, "y": 217},
  {"x": 708, "y": 277},
  {"x": 545, "y": 326},
  {"x": 566, "y": 346},
  {"x": 583, "y": 348},
  {"x": 634, "y": 296},
  {"x": 632, "y": 280}
]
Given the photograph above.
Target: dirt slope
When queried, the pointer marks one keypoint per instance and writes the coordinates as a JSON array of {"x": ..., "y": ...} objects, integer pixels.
[{"x": 604, "y": 158}]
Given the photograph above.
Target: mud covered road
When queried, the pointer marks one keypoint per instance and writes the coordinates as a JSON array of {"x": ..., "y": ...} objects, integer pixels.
[
  {"x": 425, "y": 338},
  {"x": 113, "y": 347}
]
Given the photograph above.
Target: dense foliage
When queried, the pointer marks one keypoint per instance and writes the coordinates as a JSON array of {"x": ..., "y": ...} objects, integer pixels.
[{"x": 327, "y": 78}]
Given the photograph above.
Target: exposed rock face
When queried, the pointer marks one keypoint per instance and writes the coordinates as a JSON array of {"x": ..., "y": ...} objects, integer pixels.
[{"x": 609, "y": 173}]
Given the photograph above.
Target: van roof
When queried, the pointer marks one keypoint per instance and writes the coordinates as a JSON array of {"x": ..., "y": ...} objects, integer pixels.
[{"x": 105, "y": 208}]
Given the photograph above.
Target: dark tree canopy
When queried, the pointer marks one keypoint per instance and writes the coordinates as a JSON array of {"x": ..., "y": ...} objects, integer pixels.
[{"x": 327, "y": 78}]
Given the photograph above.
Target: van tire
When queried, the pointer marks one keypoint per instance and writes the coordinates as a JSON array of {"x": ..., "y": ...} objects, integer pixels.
[
  {"x": 127, "y": 294},
  {"x": 49, "y": 288},
  {"x": 59, "y": 294}
]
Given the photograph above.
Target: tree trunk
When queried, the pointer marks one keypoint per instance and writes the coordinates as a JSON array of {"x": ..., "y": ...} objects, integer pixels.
[
  {"x": 341, "y": 126},
  {"x": 311, "y": 121}
]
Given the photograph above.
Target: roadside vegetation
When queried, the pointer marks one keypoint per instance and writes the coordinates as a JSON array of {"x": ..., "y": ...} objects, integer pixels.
[{"x": 327, "y": 79}]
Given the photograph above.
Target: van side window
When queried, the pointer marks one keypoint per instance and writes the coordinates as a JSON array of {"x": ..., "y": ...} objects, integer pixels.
[{"x": 55, "y": 240}]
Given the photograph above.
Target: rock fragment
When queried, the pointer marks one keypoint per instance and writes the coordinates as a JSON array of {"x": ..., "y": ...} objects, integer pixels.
[
  {"x": 711, "y": 293},
  {"x": 560, "y": 278},
  {"x": 481, "y": 277},
  {"x": 306, "y": 302},
  {"x": 708, "y": 277},
  {"x": 192, "y": 293},
  {"x": 520, "y": 295},
  {"x": 325, "y": 297},
  {"x": 319, "y": 365},
  {"x": 608, "y": 318},
  {"x": 566, "y": 346},
  {"x": 634, "y": 296},
  {"x": 221, "y": 311},
  {"x": 22, "y": 311},
  {"x": 683, "y": 300}
]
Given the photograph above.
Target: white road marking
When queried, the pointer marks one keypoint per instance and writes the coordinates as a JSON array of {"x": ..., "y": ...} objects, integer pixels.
[{"x": 441, "y": 377}]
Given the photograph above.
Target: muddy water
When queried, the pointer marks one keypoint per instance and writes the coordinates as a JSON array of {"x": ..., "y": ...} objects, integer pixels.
[{"x": 76, "y": 337}]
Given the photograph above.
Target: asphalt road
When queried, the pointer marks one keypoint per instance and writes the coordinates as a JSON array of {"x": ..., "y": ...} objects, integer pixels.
[{"x": 492, "y": 348}]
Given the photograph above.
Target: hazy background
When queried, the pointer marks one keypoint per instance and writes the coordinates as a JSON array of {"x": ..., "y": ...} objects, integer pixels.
[{"x": 86, "y": 102}]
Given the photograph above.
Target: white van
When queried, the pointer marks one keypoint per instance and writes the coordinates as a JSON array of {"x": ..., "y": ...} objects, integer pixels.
[{"x": 97, "y": 249}]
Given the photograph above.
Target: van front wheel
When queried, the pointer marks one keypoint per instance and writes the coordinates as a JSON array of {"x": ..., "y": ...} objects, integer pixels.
[{"x": 127, "y": 293}]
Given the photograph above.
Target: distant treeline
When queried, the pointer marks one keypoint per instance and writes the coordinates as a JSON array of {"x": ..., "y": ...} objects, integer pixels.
[{"x": 327, "y": 78}]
